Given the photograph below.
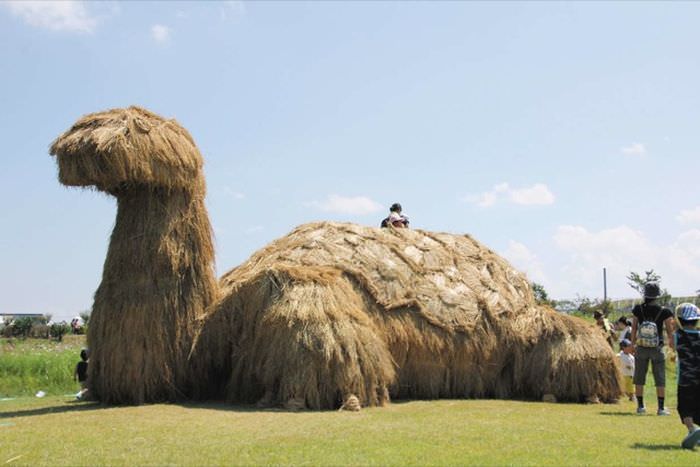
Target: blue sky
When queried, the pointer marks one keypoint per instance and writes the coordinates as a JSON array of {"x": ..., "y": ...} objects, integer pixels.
[{"x": 561, "y": 135}]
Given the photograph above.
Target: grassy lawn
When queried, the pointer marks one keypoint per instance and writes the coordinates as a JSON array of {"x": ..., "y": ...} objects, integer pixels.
[{"x": 56, "y": 431}]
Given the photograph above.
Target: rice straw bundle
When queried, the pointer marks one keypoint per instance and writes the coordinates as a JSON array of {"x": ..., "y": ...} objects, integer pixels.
[
  {"x": 328, "y": 311},
  {"x": 158, "y": 276},
  {"x": 335, "y": 309}
]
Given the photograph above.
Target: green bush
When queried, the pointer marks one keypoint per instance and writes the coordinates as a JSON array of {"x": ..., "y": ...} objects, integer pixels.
[
  {"x": 58, "y": 330},
  {"x": 39, "y": 331},
  {"x": 22, "y": 327},
  {"x": 85, "y": 315},
  {"x": 31, "y": 365}
]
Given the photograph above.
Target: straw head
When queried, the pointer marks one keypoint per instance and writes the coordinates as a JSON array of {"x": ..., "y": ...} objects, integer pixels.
[{"x": 122, "y": 147}]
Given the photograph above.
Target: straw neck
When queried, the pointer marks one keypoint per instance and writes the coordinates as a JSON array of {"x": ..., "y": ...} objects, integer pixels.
[
  {"x": 162, "y": 243},
  {"x": 158, "y": 279}
]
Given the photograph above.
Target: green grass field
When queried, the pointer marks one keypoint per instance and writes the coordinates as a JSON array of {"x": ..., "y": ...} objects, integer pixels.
[
  {"x": 31, "y": 365},
  {"x": 55, "y": 430}
]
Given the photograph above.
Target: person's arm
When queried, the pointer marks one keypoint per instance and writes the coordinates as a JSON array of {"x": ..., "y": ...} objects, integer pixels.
[
  {"x": 634, "y": 331},
  {"x": 669, "y": 332}
]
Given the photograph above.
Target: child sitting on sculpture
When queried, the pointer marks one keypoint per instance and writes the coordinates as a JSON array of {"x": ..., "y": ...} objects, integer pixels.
[{"x": 395, "y": 219}]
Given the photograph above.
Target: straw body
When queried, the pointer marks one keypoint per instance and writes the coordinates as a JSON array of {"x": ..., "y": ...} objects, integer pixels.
[{"x": 337, "y": 309}]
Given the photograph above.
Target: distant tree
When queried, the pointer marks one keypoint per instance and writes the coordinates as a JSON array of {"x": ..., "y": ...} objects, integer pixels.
[
  {"x": 637, "y": 282},
  {"x": 58, "y": 330},
  {"x": 85, "y": 316},
  {"x": 566, "y": 306},
  {"x": 585, "y": 305},
  {"x": 588, "y": 306},
  {"x": 541, "y": 296},
  {"x": 22, "y": 326}
]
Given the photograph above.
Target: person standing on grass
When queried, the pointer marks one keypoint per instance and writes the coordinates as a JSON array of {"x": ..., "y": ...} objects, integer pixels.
[
  {"x": 648, "y": 325},
  {"x": 627, "y": 364},
  {"x": 80, "y": 374},
  {"x": 623, "y": 326},
  {"x": 687, "y": 339}
]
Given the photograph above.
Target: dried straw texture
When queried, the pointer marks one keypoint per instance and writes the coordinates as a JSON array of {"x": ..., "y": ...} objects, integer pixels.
[
  {"x": 337, "y": 309},
  {"x": 158, "y": 277},
  {"x": 123, "y": 146}
]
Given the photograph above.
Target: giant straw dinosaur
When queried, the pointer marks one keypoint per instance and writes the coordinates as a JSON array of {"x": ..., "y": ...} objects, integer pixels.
[{"x": 327, "y": 311}]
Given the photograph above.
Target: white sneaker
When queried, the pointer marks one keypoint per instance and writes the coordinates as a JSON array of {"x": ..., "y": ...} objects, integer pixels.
[
  {"x": 663, "y": 412},
  {"x": 691, "y": 440},
  {"x": 641, "y": 410}
]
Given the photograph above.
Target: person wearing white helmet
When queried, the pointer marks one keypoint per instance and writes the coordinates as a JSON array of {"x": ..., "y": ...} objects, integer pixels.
[{"x": 687, "y": 339}]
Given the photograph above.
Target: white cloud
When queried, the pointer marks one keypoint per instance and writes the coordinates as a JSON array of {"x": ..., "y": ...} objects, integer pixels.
[
  {"x": 684, "y": 254},
  {"x": 689, "y": 216},
  {"x": 69, "y": 15},
  {"x": 526, "y": 261},
  {"x": 623, "y": 249},
  {"x": 635, "y": 149},
  {"x": 160, "y": 33},
  {"x": 358, "y": 205},
  {"x": 537, "y": 194}
]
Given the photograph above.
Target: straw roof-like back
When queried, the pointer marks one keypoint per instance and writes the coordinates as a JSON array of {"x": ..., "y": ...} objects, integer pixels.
[
  {"x": 127, "y": 146},
  {"x": 336, "y": 309},
  {"x": 444, "y": 276}
]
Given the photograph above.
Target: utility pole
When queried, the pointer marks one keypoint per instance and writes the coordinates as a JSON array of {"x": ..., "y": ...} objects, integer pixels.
[{"x": 605, "y": 292}]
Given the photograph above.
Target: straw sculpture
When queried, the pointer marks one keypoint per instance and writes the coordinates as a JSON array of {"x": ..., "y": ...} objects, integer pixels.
[
  {"x": 329, "y": 311},
  {"x": 158, "y": 276},
  {"x": 351, "y": 404},
  {"x": 336, "y": 309}
]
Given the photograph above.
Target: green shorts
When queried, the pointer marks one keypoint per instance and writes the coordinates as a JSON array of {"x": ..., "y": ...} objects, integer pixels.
[{"x": 656, "y": 356}]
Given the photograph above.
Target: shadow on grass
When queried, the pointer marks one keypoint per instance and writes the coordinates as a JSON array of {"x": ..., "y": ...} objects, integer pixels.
[
  {"x": 76, "y": 406},
  {"x": 67, "y": 407},
  {"x": 619, "y": 414},
  {"x": 220, "y": 405},
  {"x": 657, "y": 447}
]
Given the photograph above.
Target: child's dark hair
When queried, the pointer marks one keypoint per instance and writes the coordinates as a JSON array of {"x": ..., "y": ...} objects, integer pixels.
[
  {"x": 84, "y": 354},
  {"x": 624, "y": 320},
  {"x": 690, "y": 322}
]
